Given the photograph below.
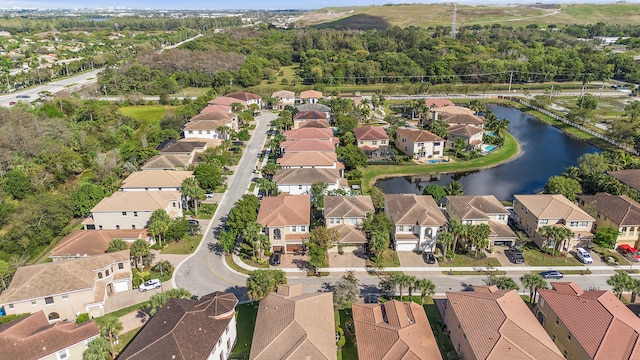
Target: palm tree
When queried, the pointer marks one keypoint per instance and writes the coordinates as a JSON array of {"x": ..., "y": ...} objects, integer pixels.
[
  {"x": 501, "y": 126},
  {"x": 97, "y": 349},
  {"x": 534, "y": 282},
  {"x": 456, "y": 229},
  {"x": 426, "y": 287},
  {"x": 619, "y": 282},
  {"x": 634, "y": 287},
  {"x": 403, "y": 280},
  {"x": 454, "y": 188},
  {"x": 268, "y": 186},
  {"x": 445, "y": 238},
  {"x": 110, "y": 327},
  {"x": 479, "y": 236},
  {"x": 412, "y": 283},
  {"x": 139, "y": 248}
]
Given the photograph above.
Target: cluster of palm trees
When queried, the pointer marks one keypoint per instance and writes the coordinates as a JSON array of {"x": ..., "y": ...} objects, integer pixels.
[
  {"x": 498, "y": 126},
  {"x": 556, "y": 236},
  {"x": 621, "y": 282},
  {"x": 476, "y": 237},
  {"x": 534, "y": 282},
  {"x": 401, "y": 281}
]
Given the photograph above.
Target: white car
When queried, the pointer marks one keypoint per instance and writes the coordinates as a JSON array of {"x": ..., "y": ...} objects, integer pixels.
[
  {"x": 584, "y": 256},
  {"x": 150, "y": 285}
]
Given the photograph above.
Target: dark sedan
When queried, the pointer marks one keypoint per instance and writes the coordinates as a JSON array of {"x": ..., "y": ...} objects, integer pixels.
[
  {"x": 515, "y": 256},
  {"x": 552, "y": 274},
  {"x": 428, "y": 257}
]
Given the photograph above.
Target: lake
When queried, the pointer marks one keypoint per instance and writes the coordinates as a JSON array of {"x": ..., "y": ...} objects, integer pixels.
[{"x": 544, "y": 152}]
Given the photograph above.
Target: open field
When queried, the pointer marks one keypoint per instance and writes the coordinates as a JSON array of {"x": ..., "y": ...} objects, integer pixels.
[
  {"x": 431, "y": 15},
  {"x": 146, "y": 113}
]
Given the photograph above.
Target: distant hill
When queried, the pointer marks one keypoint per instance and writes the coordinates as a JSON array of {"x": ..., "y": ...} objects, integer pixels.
[{"x": 384, "y": 16}]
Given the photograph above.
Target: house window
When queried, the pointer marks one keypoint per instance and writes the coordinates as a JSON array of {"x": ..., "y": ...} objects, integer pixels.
[
  {"x": 62, "y": 354},
  {"x": 124, "y": 213},
  {"x": 467, "y": 222},
  {"x": 338, "y": 221},
  {"x": 564, "y": 353},
  {"x": 135, "y": 214},
  {"x": 502, "y": 217},
  {"x": 331, "y": 221},
  {"x": 190, "y": 131},
  {"x": 583, "y": 224},
  {"x": 293, "y": 229},
  {"x": 120, "y": 266},
  {"x": 48, "y": 300},
  {"x": 133, "y": 227},
  {"x": 400, "y": 228},
  {"x": 553, "y": 337},
  {"x": 361, "y": 142},
  {"x": 410, "y": 228},
  {"x": 34, "y": 302},
  {"x": 173, "y": 204},
  {"x": 208, "y": 132},
  {"x": 374, "y": 143},
  {"x": 199, "y": 131},
  {"x": 277, "y": 234},
  {"x": 107, "y": 273},
  {"x": 10, "y": 306},
  {"x": 436, "y": 144},
  {"x": 99, "y": 227},
  {"x": 99, "y": 275},
  {"x": 117, "y": 227},
  {"x": 569, "y": 336},
  {"x": 573, "y": 224},
  {"x": 219, "y": 342},
  {"x": 54, "y": 316},
  {"x": 436, "y": 153},
  {"x": 624, "y": 229},
  {"x": 383, "y": 142},
  {"x": 65, "y": 296},
  {"x": 353, "y": 221},
  {"x": 557, "y": 320},
  {"x": 299, "y": 187},
  {"x": 303, "y": 228},
  {"x": 544, "y": 221}
]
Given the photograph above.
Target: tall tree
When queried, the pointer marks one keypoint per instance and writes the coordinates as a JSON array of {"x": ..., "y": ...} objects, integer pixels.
[
  {"x": 139, "y": 249},
  {"x": 97, "y": 349},
  {"x": 620, "y": 282},
  {"x": 85, "y": 198},
  {"x": 117, "y": 244},
  {"x": 158, "y": 300},
  {"x": 227, "y": 241},
  {"x": 110, "y": 326},
  {"x": 534, "y": 282},
  {"x": 324, "y": 237},
  {"x": 318, "y": 189},
  {"x": 159, "y": 224},
  {"x": 454, "y": 188},
  {"x": 345, "y": 291},
  {"x": 570, "y": 188},
  {"x": 316, "y": 257},
  {"x": 261, "y": 283},
  {"x": 426, "y": 287}
]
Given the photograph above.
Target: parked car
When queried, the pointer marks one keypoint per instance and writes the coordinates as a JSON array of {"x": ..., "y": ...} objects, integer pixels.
[
  {"x": 194, "y": 222},
  {"x": 23, "y": 96},
  {"x": 514, "y": 255},
  {"x": 583, "y": 256},
  {"x": 150, "y": 285},
  {"x": 552, "y": 274},
  {"x": 12, "y": 102},
  {"x": 629, "y": 251},
  {"x": 275, "y": 258},
  {"x": 428, "y": 257}
]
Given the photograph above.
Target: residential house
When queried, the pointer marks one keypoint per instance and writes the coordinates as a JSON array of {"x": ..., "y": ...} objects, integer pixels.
[
  {"x": 311, "y": 159},
  {"x": 317, "y": 107},
  {"x": 531, "y": 212},
  {"x": 419, "y": 144},
  {"x": 155, "y": 180},
  {"x": 471, "y": 135},
  {"x": 395, "y": 331},
  {"x": 310, "y": 96},
  {"x": 185, "y": 329},
  {"x": 216, "y": 108},
  {"x": 315, "y": 117},
  {"x": 225, "y": 101},
  {"x": 372, "y": 139},
  {"x": 132, "y": 209},
  {"x": 590, "y": 324},
  {"x": 416, "y": 219},
  {"x": 291, "y": 325},
  {"x": 299, "y": 181},
  {"x": 310, "y": 133},
  {"x": 284, "y": 98},
  {"x": 286, "y": 220},
  {"x": 312, "y": 124},
  {"x": 169, "y": 161},
  {"x": 246, "y": 98},
  {"x": 346, "y": 214},
  {"x": 208, "y": 125},
  {"x": 83, "y": 243},
  {"x": 183, "y": 146},
  {"x": 457, "y": 115},
  {"x": 619, "y": 212},
  {"x": 307, "y": 145},
  {"x": 32, "y": 338},
  {"x": 177, "y": 154},
  {"x": 438, "y": 102},
  {"x": 630, "y": 177},
  {"x": 66, "y": 289},
  {"x": 488, "y": 323},
  {"x": 482, "y": 209}
]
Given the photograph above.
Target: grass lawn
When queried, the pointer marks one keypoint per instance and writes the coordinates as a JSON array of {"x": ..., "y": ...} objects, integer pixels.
[
  {"x": 535, "y": 257},
  {"x": 372, "y": 173},
  {"x": 349, "y": 351},
  {"x": 146, "y": 113},
  {"x": 389, "y": 258},
  {"x": 498, "y": 273},
  {"x": 245, "y": 323},
  {"x": 125, "y": 339},
  {"x": 124, "y": 311},
  {"x": 465, "y": 261},
  {"x": 184, "y": 246},
  {"x": 191, "y": 91}
]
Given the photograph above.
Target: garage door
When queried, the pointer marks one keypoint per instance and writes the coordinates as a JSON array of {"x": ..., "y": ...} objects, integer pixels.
[
  {"x": 406, "y": 246},
  {"x": 121, "y": 286},
  {"x": 294, "y": 248}
]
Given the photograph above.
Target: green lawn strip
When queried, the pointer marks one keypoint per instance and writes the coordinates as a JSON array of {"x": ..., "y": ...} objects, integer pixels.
[
  {"x": 232, "y": 264},
  {"x": 245, "y": 323},
  {"x": 534, "y": 257},
  {"x": 190, "y": 91},
  {"x": 146, "y": 113},
  {"x": 474, "y": 272},
  {"x": 465, "y": 261},
  {"x": 125, "y": 311},
  {"x": 184, "y": 246},
  {"x": 349, "y": 351},
  {"x": 605, "y": 253},
  {"x": 389, "y": 259},
  {"x": 372, "y": 173},
  {"x": 125, "y": 339}
]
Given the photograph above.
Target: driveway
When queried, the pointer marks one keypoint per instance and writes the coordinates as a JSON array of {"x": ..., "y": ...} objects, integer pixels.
[
  {"x": 292, "y": 261},
  {"x": 498, "y": 253},
  {"x": 352, "y": 258},
  {"x": 124, "y": 299},
  {"x": 412, "y": 259}
]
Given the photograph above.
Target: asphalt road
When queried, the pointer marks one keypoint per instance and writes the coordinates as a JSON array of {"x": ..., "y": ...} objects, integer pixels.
[{"x": 205, "y": 271}]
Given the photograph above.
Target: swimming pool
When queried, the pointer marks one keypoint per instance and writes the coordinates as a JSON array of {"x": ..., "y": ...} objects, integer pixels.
[
  {"x": 436, "y": 161},
  {"x": 488, "y": 148}
]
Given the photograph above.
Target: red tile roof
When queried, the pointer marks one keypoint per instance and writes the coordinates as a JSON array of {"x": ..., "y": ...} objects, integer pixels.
[
  {"x": 630, "y": 177},
  {"x": 418, "y": 135},
  {"x": 310, "y": 115},
  {"x": 438, "y": 102},
  {"x": 93, "y": 242},
  {"x": 224, "y": 100},
  {"x": 370, "y": 133},
  {"x": 221, "y": 108},
  {"x": 283, "y": 210},
  {"x": 301, "y": 145},
  {"x": 315, "y": 123},
  {"x": 308, "y": 133},
  {"x": 310, "y": 94},
  {"x": 464, "y": 130},
  {"x": 621, "y": 209},
  {"x": 244, "y": 96}
]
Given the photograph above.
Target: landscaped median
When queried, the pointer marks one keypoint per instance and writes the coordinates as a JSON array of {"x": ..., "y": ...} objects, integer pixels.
[{"x": 374, "y": 172}]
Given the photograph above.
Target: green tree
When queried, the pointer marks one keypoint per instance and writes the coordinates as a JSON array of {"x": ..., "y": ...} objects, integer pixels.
[
  {"x": 534, "y": 282},
  {"x": 620, "y": 282},
  {"x": 6, "y": 273},
  {"x": 634, "y": 287},
  {"x": 117, "y": 244},
  {"x": 110, "y": 326},
  {"x": 377, "y": 198},
  {"x": 179, "y": 228},
  {"x": 227, "y": 241},
  {"x": 267, "y": 186},
  {"x": 209, "y": 176},
  {"x": 243, "y": 212},
  {"x": 436, "y": 191},
  {"x": 263, "y": 282},
  {"x": 324, "y": 237},
  {"x": 502, "y": 282},
  {"x": 97, "y": 349},
  {"x": 160, "y": 299},
  {"x": 251, "y": 235},
  {"x": 193, "y": 193},
  {"x": 426, "y": 287},
  {"x": 139, "y": 249},
  {"x": 440, "y": 128},
  {"x": 445, "y": 238},
  {"x": 17, "y": 183},
  {"x": 159, "y": 224},
  {"x": 454, "y": 188},
  {"x": 345, "y": 291},
  {"x": 352, "y": 156},
  {"x": 85, "y": 198},
  {"x": 318, "y": 190},
  {"x": 570, "y": 188},
  {"x": 269, "y": 169},
  {"x": 479, "y": 236},
  {"x": 606, "y": 237},
  {"x": 316, "y": 257}
]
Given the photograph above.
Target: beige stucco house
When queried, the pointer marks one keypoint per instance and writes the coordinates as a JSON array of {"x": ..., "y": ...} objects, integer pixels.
[
  {"x": 155, "y": 180},
  {"x": 419, "y": 144},
  {"x": 371, "y": 139},
  {"x": 284, "y": 98},
  {"x": 300, "y": 180},
  {"x": 207, "y": 125},
  {"x": 417, "y": 221},
  {"x": 66, "y": 289},
  {"x": 246, "y": 98},
  {"x": 471, "y": 135},
  {"x": 310, "y": 96},
  {"x": 346, "y": 214},
  {"x": 286, "y": 220},
  {"x": 311, "y": 160},
  {"x": 619, "y": 212}
]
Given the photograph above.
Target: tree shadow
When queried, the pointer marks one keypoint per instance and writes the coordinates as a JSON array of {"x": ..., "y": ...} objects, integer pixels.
[
  {"x": 357, "y": 22},
  {"x": 301, "y": 264},
  {"x": 240, "y": 292}
]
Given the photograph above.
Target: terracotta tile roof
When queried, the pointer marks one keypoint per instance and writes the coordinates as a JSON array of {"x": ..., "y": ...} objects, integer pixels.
[
  {"x": 553, "y": 206},
  {"x": 283, "y": 210},
  {"x": 500, "y": 230},
  {"x": 224, "y": 100},
  {"x": 93, "y": 242},
  {"x": 350, "y": 234},
  {"x": 137, "y": 201},
  {"x": 292, "y": 325},
  {"x": 184, "y": 329},
  {"x": 310, "y": 115},
  {"x": 602, "y": 324},
  {"x": 223, "y": 116},
  {"x": 464, "y": 130},
  {"x": 438, "y": 102},
  {"x": 314, "y": 145},
  {"x": 167, "y": 162},
  {"x": 462, "y": 119},
  {"x": 414, "y": 209},
  {"x": 476, "y": 207},
  {"x": 308, "y": 158},
  {"x": 347, "y": 206},
  {"x": 370, "y": 133},
  {"x": 393, "y": 330},
  {"x": 418, "y": 135},
  {"x": 310, "y": 94},
  {"x": 306, "y": 176},
  {"x": 621, "y": 209},
  {"x": 155, "y": 179},
  {"x": 315, "y": 106},
  {"x": 283, "y": 94},
  {"x": 504, "y": 329},
  {"x": 33, "y": 338},
  {"x": 452, "y": 110},
  {"x": 36, "y": 281},
  {"x": 309, "y": 133},
  {"x": 183, "y": 147},
  {"x": 321, "y": 123},
  {"x": 630, "y": 177},
  {"x": 216, "y": 108},
  {"x": 244, "y": 96}
]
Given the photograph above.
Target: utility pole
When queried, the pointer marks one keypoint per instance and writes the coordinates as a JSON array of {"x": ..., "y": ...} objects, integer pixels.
[
  {"x": 454, "y": 32},
  {"x": 510, "y": 80}
]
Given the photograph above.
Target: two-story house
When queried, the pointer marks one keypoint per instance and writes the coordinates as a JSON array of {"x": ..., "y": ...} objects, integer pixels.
[
  {"x": 471, "y": 135},
  {"x": 315, "y": 117},
  {"x": 211, "y": 125},
  {"x": 619, "y": 212},
  {"x": 66, "y": 289},
  {"x": 186, "y": 329},
  {"x": 310, "y": 96},
  {"x": 216, "y": 108},
  {"x": 308, "y": 145},
  {"x": 456, "y": 115},
  {"x": 132, "y": 209},
  {"x": 284, "y": 98},
  {"x": 372, "y": 140},
  {"x": 346, "y": 214},
  {"x": 286, "y": 220},
  {"x": 309, "y": 159},
  {"x": 591, "y": 324},
  {"x": 416, "y": 219},
  {"x": 531, "y": 212},
  {"x": 32, "y": 337},
  {"x": 419, "y": 144},
  {"x": 82, "y": 243},
  {"x": 176, "y": 154},
  {"x": 316, "y": 107},
  {"x": 299, "y": 181},
  {"x": 482, "y": 209},
  {"x": 311, "y": 133},
  {"x": 246, "y": 98},
  {"x": 629, "y": 177},
  {"x": 155, "y": 180}
]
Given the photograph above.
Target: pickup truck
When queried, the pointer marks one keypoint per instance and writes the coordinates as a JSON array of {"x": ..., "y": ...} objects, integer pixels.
[{"x": 515, "y": 256}]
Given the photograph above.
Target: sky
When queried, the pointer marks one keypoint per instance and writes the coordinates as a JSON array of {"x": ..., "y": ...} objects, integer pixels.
[{"x": 262, "y": 4}]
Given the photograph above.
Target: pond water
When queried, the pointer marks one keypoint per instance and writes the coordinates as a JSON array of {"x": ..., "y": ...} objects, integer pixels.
[{"x": 544, "y": 152}]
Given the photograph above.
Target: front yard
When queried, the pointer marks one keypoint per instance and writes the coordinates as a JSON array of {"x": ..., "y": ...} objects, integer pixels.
[
  {"x": 465, "y": 261},
  {"x": 535, "y": 257}
]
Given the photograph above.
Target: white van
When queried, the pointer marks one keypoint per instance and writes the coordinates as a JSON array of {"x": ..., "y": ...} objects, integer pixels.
[{"x": 583, "y": 256}]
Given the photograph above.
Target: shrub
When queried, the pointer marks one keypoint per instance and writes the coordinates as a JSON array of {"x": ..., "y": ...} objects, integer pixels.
[{"x": 84, "y": 317}]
